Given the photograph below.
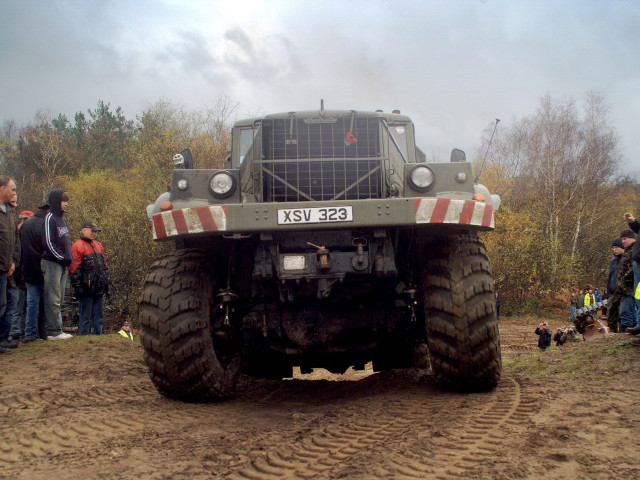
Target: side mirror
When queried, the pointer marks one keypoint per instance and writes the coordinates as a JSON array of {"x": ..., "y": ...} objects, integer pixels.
[
  {"x": 188, "y": 158},
  {"x": 458, "y": 155}
]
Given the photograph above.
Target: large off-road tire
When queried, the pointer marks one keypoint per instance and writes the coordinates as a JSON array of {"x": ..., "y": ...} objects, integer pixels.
[
  {"x": 460, "y": 312},
  {"x": 188, "y": 349}
]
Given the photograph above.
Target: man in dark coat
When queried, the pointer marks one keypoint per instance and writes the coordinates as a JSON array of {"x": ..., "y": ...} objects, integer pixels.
[
  {"x": 16, "y": 289},
  {"x": 31, "y": 242},
  {"x": 544, "y": 336},
  {"x": 580, "y": 298},
  {"x": 613, "y": 314},
  {"x": 7, "y": 249},
  {"x": 624, "y": 282}
]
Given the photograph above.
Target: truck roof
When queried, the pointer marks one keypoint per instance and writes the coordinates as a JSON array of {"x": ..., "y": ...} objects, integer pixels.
[{"x": 318, "y": 114}]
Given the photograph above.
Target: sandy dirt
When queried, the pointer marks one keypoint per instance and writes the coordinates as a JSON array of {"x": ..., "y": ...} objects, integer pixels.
[{"x": 86, "y": 409}]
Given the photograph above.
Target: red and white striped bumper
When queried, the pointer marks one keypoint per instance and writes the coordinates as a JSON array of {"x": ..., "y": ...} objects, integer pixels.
[
  {"x": 371, "y": 213},
  {"x": 459, "y": 212},
  {"x": 189, "y": 221}
]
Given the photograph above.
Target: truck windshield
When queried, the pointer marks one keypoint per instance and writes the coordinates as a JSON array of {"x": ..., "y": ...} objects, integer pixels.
[
  {"x": 247, "y": 136},
  {"x": 398, "y": 133}
]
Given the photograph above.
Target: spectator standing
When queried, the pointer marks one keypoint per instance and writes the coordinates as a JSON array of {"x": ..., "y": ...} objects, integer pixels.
[
  {"x": 31, "y": 244},
  {"x": 589, "y": 298},
  {"x": 596, "y": 293},
  {"x": 89, "y": 278},
  {"x": 56, "y": 257},
  {"x": 15, "y": 285},
  {"x": 574, "y": 307},
  {"x": 544, "y": 336},
  {"x": 580, "y": 299},
  {"x": 624, "y": 282},
  {"x": 12, "y": 293},
  {"x": 613, "y": 307},
  {"x": 635, "y": 257},
  {"x": 7, "y": 247}
]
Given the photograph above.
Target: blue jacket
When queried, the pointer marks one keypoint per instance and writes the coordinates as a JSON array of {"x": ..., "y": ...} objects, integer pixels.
[
  {"x": 56, "y": 241},
  {"x": 613, "y": 274}
]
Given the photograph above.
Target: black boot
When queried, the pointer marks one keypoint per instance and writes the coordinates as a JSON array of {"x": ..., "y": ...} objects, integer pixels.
[{"x": 10, "y": 343}]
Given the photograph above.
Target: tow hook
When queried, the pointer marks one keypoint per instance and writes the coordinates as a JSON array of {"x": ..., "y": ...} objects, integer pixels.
[
  {"x": 360, "y": 261},
  {"x": 227, "y": 297},
  {"x": 322, "y": 258},
  {"x": 411, "y": 293}
]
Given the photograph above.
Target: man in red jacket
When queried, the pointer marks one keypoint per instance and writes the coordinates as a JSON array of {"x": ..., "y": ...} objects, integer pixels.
[{"x": 89, "y": 278}]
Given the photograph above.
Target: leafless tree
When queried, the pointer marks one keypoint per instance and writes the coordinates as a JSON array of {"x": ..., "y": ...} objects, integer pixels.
[
  {"x": 558, "y": 166},
  {"x": 52, "y": 158}
]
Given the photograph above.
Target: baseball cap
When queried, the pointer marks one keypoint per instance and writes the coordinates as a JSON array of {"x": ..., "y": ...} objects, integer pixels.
[
  {"x": 92, "y": 226},
  {"x": 25, "y": 214}
]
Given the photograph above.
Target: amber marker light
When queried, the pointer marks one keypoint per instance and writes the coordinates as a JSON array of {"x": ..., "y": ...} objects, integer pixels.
[
  {"x": 479, "y": 197},
  {"x": 167, "y": 205}
]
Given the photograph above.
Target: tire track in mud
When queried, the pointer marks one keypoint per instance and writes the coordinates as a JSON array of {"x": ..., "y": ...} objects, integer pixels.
[
  {"x": 513, "y": 351},
  {"x": 358, "y": 427},
  {"x": 52, "y": 422},
  {"x": 462, "y": 449},
  {"x": 336, "y": 425},
  {"x": 398, "y": 421},
  {"x": 103, "y": 395}
]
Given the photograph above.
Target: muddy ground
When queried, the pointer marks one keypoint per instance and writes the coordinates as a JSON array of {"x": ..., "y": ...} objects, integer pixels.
[{"x": 86, "y": 409}]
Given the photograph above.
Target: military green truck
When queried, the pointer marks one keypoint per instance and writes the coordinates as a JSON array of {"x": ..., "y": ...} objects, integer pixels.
[{"x": 327, "y": 241}]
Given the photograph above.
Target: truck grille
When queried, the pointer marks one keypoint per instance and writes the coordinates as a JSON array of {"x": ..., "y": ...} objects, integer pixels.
[
  {"x": 321, "y": 159},
  {"x": 321, "y": 180}
]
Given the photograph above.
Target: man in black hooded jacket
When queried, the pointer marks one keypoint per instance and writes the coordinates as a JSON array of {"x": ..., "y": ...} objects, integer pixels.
[
  {"x": 56, "y": 257},
  {"x": 31, "y": 242}
]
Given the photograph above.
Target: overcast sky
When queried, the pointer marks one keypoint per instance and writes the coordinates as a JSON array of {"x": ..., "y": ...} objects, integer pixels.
[{"x": 452, "y": 66}]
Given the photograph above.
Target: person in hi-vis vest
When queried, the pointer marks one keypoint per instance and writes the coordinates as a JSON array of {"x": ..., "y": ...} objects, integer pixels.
[
  {"x": 589, "y": 298},
  {"x": 125, "y": 331}
]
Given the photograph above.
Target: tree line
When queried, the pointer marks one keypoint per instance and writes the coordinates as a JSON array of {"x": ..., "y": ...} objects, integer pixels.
[
  {"x": 113, "y": 167},
  {"x": 557, "y": 171}
]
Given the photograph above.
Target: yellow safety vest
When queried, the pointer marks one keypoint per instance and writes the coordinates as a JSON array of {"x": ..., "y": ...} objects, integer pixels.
[
  {"x": 128, "y": 334},
  {"x": 587, "y": 299},
  {"x": 636, "y": 295}
]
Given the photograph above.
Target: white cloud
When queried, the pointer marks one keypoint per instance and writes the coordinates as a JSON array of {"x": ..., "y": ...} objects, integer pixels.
[{"x": 452, "y": 66}]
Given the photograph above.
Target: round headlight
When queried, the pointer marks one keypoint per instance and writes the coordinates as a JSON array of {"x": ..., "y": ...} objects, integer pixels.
[
  {"x": 461, "y": 177},
  {"x": 222, "y": 184},
  {"x": 421, "y": 178},
  {"x": 182, "y": 184}
]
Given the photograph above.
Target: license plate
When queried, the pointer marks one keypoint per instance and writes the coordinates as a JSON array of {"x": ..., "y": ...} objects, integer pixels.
[{"x": 290, "y": 216}]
